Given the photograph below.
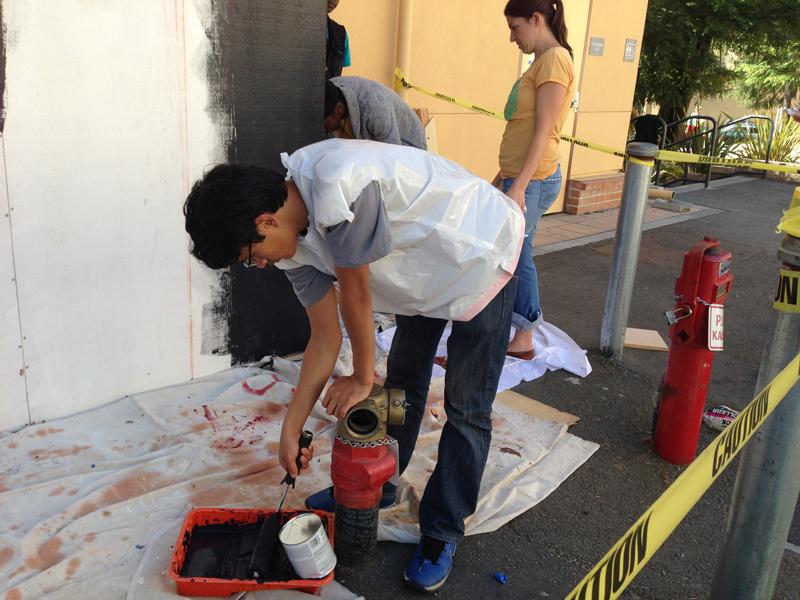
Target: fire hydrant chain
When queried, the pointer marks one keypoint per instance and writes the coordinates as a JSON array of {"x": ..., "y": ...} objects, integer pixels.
[{"x": 387, "y": 441}]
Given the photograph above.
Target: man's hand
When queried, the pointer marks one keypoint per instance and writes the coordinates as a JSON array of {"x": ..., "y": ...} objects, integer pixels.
[
  {"x": 287, "y": 452},
  {"x": 343, "y": 394}
]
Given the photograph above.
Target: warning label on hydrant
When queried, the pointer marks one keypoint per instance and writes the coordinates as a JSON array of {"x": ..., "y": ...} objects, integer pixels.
[{"x": 716, "y": 323}]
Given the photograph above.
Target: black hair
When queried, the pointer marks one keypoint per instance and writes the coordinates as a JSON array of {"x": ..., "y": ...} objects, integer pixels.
[
  {"x": 553, "y": 11},
  {"x": 222, "y": 207},
  {"x": 333, "y": 95}
]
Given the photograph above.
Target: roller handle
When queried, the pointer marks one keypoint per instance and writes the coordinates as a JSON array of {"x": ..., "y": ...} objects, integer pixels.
[{"x": 304, "y": 442}]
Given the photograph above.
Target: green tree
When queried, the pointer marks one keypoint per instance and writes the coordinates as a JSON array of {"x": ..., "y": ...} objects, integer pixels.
[
  {"x": 771, "y": 79},
  {"x": 684, "y": 41}
]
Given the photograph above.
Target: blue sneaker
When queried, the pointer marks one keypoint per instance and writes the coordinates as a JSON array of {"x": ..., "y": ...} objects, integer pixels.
[
  {"x": 430, "y": 565},
  {"x": 324, "y": 500}
]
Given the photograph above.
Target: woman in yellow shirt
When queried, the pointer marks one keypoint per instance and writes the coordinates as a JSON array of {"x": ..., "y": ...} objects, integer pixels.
[{"x": 529, "y": 159}]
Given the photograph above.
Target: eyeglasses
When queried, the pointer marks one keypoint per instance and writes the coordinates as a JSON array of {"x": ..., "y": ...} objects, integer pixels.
[{"x": 250, "y": 262}]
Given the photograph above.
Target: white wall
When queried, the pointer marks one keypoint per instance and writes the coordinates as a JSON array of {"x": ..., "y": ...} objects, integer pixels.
[
  {"x": 13, "y": 400},
  {"x": 106, "y": 126}
]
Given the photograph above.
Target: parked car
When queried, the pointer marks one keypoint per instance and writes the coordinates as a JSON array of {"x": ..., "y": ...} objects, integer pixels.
[{"x": 738, "y": 132}]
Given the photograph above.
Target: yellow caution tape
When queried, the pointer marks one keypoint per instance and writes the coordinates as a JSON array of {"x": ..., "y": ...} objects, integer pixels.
[
  {"x": 401, "y": 82},
  {"x": 639, "y": 161},
  {"x": 685, "y": 157},
  {"x": 626, "y": 558},
  {"x": 786, "y": 298},
  {"x": 790, "y": 222}
]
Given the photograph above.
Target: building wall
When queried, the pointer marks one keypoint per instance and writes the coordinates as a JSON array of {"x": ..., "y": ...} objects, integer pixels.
[{"x": 607, "y": 84}]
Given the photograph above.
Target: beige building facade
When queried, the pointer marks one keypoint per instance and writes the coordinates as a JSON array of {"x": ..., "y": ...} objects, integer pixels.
[{"x": 461, "y": 48}]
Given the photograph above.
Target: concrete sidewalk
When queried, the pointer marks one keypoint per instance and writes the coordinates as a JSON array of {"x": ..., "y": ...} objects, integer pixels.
[{"x": 546, "y": 551}]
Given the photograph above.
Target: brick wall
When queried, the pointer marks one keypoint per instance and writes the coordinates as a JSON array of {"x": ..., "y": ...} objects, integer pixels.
[{"x": 590, "y": 194}]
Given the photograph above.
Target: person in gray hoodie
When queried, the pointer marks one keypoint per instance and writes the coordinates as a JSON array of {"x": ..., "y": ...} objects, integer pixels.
[{"x": 362, "y": 109}]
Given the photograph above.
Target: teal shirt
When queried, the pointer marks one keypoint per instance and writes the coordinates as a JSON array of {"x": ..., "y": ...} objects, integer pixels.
[{"x": 346, "y": 62}]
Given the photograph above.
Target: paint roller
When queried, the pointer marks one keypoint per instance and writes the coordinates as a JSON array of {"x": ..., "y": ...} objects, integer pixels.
[{"x": 267, "y": 539}]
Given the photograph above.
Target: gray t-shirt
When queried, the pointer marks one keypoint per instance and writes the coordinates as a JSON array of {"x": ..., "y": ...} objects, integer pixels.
[{"x": 363, "y": 240}]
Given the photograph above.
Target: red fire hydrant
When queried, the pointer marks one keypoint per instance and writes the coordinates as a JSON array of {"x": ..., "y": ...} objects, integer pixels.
[
  {"x": 695, "y": 333},
  {"x": 363, "y": 460},
  {"x": 359, "y": 472}
]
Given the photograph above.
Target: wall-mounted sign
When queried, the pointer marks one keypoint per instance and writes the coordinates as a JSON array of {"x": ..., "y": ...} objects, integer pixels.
[
  {"x": 596, "y": 46},
  {"x": 630, "y": 50}
]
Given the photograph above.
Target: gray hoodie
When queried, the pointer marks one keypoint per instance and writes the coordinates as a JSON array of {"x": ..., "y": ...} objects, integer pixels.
[{"x": 379, "y": 114}]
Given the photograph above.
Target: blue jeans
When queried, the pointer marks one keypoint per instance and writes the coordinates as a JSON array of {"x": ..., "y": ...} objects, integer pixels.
[
  {"x": 539, "y": 196},
  {"x": 476, "y": 352}
]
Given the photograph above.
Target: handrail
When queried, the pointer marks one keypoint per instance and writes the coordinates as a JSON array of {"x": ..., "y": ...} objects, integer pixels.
[
  {"x": 712, "y": 131},
  {"x": 771, "y": 133}
]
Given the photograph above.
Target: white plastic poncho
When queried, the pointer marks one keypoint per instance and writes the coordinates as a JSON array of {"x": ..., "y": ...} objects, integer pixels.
[{"x": 456, "y": 238}]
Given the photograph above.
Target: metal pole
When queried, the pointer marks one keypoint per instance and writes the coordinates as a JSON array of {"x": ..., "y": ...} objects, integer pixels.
[
  {"x": 626, "y": 251},
  {"x": 768, "y": 479}
]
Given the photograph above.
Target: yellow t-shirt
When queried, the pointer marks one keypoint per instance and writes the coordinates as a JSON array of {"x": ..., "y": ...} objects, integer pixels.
[{"x": 554, "y": 65}]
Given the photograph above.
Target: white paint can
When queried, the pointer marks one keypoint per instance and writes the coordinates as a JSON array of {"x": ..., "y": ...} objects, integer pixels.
[{"x": 308, "y": 546}]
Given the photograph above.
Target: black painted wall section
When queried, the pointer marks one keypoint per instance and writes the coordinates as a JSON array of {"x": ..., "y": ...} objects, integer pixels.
[{"x": 266, "y": 77}]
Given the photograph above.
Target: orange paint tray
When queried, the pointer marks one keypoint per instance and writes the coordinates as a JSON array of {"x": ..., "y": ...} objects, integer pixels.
[{"x": 227, "y": 536}]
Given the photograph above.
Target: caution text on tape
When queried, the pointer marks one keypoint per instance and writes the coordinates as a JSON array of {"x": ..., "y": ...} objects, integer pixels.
[
  {"x": 786, "y": 297},
  {"x": 625, "y": 559}
]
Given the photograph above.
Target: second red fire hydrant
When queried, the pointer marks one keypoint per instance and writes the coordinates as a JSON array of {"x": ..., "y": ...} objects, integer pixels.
[{"x": 696, "y": 332}]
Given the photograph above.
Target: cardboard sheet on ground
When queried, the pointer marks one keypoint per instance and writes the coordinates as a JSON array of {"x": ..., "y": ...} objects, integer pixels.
[
  {"x": 91, "y": 505},
  {"x": 644, "y": 339}
]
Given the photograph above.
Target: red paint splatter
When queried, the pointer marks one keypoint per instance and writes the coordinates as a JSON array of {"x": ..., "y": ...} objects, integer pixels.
[
  {"x": 5, "y": 556},
  {"x": 41, "y": 453},
  {"x": 90, "y": 537},
  {"x": 72, "y": 566},
  {"x": 230, "y": 444},
  {"x": 271, "y": 409},
  {"x": 261, "y": 391},
  {"x": 106, "y": 513},
  {"x": 13, "y": 445},
  {"x": 85, "y": 509},
  {"x": 13, "y": 594},
  {"x": 48, "y": 554},
  {"x": 510, "y": 451},
  {"x": 18, "y": 571},
  {"x": 210, "y": 415},
  {"x": 57, "y": 491}
]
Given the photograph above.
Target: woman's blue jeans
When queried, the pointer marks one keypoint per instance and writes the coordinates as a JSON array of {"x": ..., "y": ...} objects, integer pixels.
[
  {"x": 476, "y": 352},
  {"x": 539, "y": 196}
]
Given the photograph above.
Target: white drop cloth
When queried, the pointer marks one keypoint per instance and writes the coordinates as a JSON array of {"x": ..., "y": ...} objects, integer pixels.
[{"x": 90, "y": 505}]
